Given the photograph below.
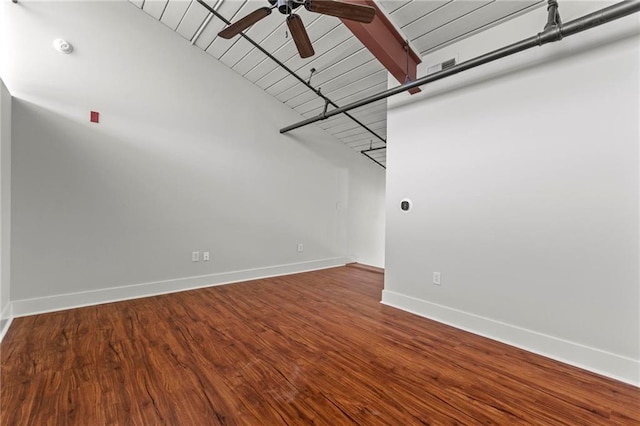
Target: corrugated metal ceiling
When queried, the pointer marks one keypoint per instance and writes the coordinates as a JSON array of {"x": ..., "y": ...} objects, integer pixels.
[{"x": 345, "y": 70}]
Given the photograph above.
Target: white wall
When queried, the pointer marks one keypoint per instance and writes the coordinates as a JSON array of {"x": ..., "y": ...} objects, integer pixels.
[
  {"x": 187, "y": 157},
  {"x": 367, "y": 214},
  {"x": 525, "y": 181},
  {"x": 5, "y": 207}
]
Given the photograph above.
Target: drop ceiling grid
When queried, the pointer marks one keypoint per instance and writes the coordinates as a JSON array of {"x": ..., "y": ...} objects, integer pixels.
[{"x": 345, "y": 71}]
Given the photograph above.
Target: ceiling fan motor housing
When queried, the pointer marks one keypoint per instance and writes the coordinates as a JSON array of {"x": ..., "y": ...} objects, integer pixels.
[{"x": 286, "y": 6}]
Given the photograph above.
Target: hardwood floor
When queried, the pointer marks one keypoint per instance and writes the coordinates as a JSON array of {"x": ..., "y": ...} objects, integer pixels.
[{"x": 313, "y": 348}]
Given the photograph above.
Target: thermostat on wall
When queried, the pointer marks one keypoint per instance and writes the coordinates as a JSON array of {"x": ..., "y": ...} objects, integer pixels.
[{"x": 405, "y": 205}]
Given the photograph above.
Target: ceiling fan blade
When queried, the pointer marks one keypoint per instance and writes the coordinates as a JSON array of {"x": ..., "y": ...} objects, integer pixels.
[
  {"x": 351, "y": 11},
  {"x": 244, "y": 23},
  {"x": 300, "y": 36}
]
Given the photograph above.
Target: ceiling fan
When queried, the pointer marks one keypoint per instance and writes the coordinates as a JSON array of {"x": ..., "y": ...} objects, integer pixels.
[{"x": 351, "y": 11}]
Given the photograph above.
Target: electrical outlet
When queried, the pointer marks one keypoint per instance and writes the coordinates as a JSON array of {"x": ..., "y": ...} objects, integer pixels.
[
  {"x": 195, "y": 256},
  {"x": 436, "y": 278},
  {"x": 300, "y": 247},
  {"x": 205, "y": 255}
]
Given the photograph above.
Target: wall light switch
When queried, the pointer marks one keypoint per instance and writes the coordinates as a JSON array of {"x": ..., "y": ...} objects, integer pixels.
[
  {"x": 205, "y": 255},
  {"x": 300, "y": 248},
  {"x": 195, "y": 256}
]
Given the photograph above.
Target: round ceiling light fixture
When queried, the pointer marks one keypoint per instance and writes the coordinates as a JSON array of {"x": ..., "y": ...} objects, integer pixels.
[{"x": 62, "y": 46}]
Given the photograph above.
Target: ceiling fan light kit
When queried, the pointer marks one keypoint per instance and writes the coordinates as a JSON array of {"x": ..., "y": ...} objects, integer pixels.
[{"x": 339, "y": 9}]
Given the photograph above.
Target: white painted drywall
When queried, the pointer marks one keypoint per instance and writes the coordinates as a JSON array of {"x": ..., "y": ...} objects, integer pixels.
[
  {"x": 366, "y": 214},
  {"x": 525, "y": 180},
  {"x": 5, "y": 205},
  {"x": 187, "y": 157}
]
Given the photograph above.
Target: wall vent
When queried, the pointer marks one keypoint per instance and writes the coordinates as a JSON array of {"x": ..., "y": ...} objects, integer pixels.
[
  {"x": 441, "y": 66},
  {"x": 448, "y": 64}
]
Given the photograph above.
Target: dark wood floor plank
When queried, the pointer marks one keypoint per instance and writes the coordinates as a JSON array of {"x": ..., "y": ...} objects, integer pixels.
[{"x": 314, "y": 348}]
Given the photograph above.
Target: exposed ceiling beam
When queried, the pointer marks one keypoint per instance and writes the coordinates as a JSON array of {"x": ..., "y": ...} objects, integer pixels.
[{"x": 387, "y": 44}]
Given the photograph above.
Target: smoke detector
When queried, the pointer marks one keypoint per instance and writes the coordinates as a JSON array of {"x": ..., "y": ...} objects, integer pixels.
[{"x": 62, "y": 46}]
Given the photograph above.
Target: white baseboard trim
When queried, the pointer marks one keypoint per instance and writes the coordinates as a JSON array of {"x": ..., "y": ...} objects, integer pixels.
[
  {"x": 607, "y": 364},
  {"x": 61, "y": 302},
  {"x": 6, "y": 317}
]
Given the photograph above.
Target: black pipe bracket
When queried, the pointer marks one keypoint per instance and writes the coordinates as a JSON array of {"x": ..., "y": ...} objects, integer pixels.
[{"x": 553, "y": 29}]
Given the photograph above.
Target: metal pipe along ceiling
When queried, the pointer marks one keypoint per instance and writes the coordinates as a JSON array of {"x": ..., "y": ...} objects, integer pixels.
[
  {"x": 366, "y": 152},
  {"x": 550, "y": 34},
  {"x": 287, "y": 69}
]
